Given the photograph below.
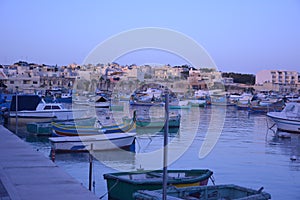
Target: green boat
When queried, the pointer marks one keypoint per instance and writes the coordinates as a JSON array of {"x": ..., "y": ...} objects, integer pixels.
[
  {"x": 155, "y": 122},
  {"x": 122, "y": 185},
  {"x": 214, "y": 192}
]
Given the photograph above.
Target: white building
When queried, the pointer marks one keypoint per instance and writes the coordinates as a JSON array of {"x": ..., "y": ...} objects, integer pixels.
[{"x": 280, "y": 80}]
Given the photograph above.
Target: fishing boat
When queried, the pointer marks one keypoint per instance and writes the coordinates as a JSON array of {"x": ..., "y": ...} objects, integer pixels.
[
  {"x": 45, "y": 128},
  {"x": 99, "y": 142},
  {"x": 33, "y": 108},
  {"x": 102, "y": 102},
  {"x": 122, "y": 185},
  {"x": 197, "y": 102},
  {"x": 155, "y": 122},
  {"x": 218, "y": 98},
  {"x": 143, "y": 103},
  {"x": 174, "y": 122},
  {"x": 266, "y": 106},
  {"x": 288, "y": 119},
  {"x": 181, "y": 104},
  {"x": 214, "y": 192},
  {"x": 150, "y": 97},
  {"x": 83, "y": 130}
]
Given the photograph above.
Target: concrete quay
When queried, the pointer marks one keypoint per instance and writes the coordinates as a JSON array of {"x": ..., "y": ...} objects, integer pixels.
[{"x": 26, "y": 174}]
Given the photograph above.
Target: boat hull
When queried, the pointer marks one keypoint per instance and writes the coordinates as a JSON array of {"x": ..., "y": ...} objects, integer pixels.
[
  {"x": 63, "y": 130},
  {"x": 102, "y": 105},
  {"x": 44, "y": 116},
  {"x": 174, "y": 122},
  {"x": 100, "y": 142},
  {"x": 123, "y": 185},
  {"x": 214, "y": 192},
  {"x": 285, "y": 124},
  {"x": 45, "y": 128}
]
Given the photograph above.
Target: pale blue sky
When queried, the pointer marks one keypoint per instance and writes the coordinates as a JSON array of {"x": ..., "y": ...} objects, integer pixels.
[{"x": 241, "y": 36}]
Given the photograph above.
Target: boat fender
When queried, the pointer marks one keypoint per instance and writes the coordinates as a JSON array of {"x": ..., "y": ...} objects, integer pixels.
[{"x": 293, "y": 158}]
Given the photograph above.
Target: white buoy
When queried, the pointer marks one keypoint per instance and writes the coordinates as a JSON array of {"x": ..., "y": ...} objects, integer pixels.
[
  {"x": 293, "y": 158},
  {"x": 284, "y": 135}
]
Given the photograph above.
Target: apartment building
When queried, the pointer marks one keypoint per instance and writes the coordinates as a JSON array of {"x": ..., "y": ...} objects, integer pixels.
[{"x": 277, "y": 80}]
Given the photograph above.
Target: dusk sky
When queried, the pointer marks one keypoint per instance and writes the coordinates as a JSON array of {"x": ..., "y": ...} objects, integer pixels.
[{"x": 240, "y": 36}]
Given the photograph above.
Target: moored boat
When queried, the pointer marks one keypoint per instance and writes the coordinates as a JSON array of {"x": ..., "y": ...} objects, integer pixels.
[
  {"x": 288, "y": 119},
  {"x": 197, "y": 102},
  {"x": 33, "y": 108},
  {"x": 102, "y": 102},
  {"x": 81, "y": 130},
  {"x": 213, "y": 192},
  {"x": 122, "y": 185},
  {"x": 174, "y": 122},
  {"x": 99, "y": 142},
  {"x": 45, "y": 128},
  {"x": 264, "y": 107},
  {"x": 181, "y": 104}
]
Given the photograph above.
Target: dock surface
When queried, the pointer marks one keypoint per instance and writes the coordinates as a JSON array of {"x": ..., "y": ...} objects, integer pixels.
[{"x": 28, "y": 174}]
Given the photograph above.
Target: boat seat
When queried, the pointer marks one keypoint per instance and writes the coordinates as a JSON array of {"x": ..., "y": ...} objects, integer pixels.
[
  {"x": 159, "y": 175},
  {"x": 190, "y": 198}
]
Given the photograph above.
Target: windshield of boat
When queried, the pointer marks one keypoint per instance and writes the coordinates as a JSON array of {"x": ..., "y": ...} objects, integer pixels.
[{"x": 290, "y": 108}]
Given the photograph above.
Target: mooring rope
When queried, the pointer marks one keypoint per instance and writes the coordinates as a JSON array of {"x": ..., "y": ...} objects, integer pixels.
[{"x": 109, "y": 189}]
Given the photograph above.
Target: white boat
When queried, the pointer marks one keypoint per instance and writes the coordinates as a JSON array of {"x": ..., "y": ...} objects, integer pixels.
[
  {"x": 100, "y": 142},
  {"x": 288, "y": 119},
  {"x": 45, "y": 112},
  {"x": 152, "y": 92},
  {"x": 201, "y": 94}
]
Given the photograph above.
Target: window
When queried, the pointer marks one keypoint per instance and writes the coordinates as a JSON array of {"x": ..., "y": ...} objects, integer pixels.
[
  {"x": 55, "y": 107},
  {"x": 11, "y": 82},
  {"x": 47, "y": 108},
  {"x": 35, "y": 82}
]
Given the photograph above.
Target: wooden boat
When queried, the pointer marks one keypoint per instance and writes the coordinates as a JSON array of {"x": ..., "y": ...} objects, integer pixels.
[
  {"x": 122, "y": 185},
  {"x": 174, "y": 122},
  {"x": 155, "y": 123},
  {"x": 78, "y": 130},
  {"x": 182, "y": 104},
  {"x": 102, "y": 102},
  {"x": 45, "y": 128},
  {"x": 214, "y": 192},
  {"x": 150, "y": 97},
  {"x": 197, "y": 102},
  {"x": 100, "y": 142},
  {"x": 288, "y": 119},
  {"x": 146, "y": 103},
  {"x": 220, "y": 100},
  {"x": 264, "y": 107}
]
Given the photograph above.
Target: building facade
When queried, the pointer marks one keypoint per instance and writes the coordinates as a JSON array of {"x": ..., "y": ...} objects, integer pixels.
[{"x": 277, "y": 80}]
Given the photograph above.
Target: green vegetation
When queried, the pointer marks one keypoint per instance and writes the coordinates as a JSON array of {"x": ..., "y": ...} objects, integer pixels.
[{"x": 240, "y": 78}]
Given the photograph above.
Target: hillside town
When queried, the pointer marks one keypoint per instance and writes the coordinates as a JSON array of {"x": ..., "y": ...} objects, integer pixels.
[{"x": 31, "y": 78}]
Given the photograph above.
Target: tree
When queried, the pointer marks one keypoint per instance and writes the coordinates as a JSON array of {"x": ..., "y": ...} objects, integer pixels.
[{"x": 240, "y": 78}]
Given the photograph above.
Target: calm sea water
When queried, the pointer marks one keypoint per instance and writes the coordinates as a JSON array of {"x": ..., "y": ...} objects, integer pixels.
[{"x": 246, "y": 153}]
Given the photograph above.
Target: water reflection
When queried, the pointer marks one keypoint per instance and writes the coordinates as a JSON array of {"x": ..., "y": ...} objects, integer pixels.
[
  {"x": 287, "y": 144},
  {"x": 247, "y": 153}
]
